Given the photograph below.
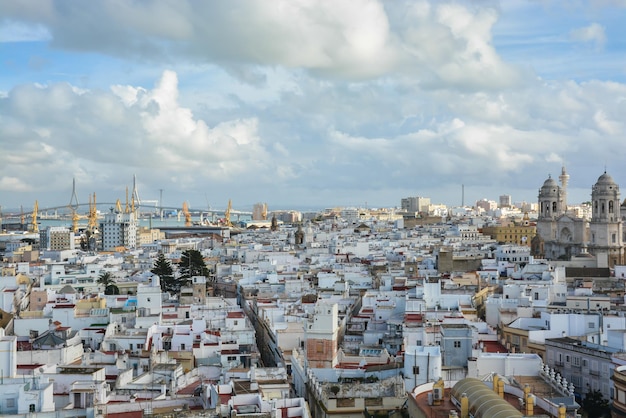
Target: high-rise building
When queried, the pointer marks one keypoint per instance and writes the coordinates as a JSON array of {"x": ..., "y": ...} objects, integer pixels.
[
  {"x": 259, "y": 212},
  {"x": 56, "y": 238},
  {"x": 486, "y": 205},
  {"x": 119, "y": 229},
  {"x": 415, "y": 204},
  {"x": 505, "y": 201}
]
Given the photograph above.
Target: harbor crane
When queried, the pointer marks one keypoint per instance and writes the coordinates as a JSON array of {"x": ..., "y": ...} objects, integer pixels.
[
  {"x": 93, "y": 214},
  {"x": 187, "y": 214},
  {"x": 227, "y": 214},
  {"x": 34, "y": 224}
]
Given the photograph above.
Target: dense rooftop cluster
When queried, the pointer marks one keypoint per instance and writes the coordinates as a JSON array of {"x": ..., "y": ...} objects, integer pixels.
[{"x": 346, "y": 312}]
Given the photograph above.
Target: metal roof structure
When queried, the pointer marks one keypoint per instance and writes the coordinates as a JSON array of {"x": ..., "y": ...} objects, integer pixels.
[{"x": 483, "y": 402}]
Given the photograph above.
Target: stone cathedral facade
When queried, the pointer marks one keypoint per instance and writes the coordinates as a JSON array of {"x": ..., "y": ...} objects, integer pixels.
[{"x": 560, "y": 235}]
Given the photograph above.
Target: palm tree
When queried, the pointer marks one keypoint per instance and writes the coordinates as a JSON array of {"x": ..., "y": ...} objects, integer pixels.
[{"x": 105, "y": 279}]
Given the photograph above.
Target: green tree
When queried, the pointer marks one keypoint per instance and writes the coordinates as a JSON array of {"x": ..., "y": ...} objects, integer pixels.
[
  {"x": 112, "y": 290},
  {"x": 595, "y": 405},
  {"x": 192, "y": 264},
  {"x": 163, "y": 268}
]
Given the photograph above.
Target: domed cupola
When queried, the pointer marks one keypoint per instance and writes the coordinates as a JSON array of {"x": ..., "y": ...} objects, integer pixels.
[
  {"x": 550, "y": 187},
  {"x": 549, "y": 199},
  {"x": 605, "y": 197},
  {"x": 605, "y": 180}
]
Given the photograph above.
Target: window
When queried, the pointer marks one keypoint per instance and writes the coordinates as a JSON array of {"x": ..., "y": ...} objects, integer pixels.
[
  {"x": 182, "y": 347},
  {"x": 576, "y": 361},
  {"x": 31, "y": 407},
  {"x": 592, "y": 325},
  {"x": 457, "y": 344},
  {"x": 231, "y": 358},
  {"x": 416, "y": 369},
  {"x": 11, "y": 403},
  {"x": 567, "y": 359}
]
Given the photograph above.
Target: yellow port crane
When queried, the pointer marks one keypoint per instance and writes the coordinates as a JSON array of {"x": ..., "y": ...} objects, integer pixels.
[
  {"x": 126, "y": 206},
  {"x": 187, "y": 214},
  {"x": 229, "y": 208},
  {"x": 93, "y": 214},
  {"x": 35, "y": 226}
]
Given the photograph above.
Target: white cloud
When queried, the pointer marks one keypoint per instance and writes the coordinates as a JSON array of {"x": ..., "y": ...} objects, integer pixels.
[
  {"x": 12, "y": 31},
  {"x": 298, "y": 102},
  {"x": 347, "y": 39},
  {"x": 593, "y": 34}
]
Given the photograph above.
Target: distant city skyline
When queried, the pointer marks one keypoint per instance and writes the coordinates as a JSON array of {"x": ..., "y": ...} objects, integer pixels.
[{"x": 308, "y": 104}]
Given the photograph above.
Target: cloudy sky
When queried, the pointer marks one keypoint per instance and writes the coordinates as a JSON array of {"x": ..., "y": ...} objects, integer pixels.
[{"x": 307, "y": 103}]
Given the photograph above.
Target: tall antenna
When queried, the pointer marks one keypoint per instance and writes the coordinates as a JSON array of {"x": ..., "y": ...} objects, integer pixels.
[{"x": 462, "y": 195}]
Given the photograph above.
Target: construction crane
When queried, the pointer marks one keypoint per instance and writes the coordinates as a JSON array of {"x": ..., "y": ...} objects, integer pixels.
[
  {"x": 93, "y": 213},
  {"x": 35, "y": 226},
  {"x": 227, "y": 214},
  {"x": 126, "y": 207},
  {"x": 187, "y": 214},
  {"x": 118, "y": 206}
]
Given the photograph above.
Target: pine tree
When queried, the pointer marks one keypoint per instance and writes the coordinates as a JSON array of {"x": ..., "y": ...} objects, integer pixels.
[
  {"x": 192, "y": 264},
  {"x": 163, "y": 268}
]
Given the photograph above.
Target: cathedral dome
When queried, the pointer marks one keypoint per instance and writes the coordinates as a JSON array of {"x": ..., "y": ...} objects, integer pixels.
[
  {"x": 550, "y": 182},
  {"x": 550, "y": 187},
  {"x": 606, "y": 180}
]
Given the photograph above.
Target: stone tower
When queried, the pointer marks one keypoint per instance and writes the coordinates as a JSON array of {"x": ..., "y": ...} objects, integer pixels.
[
  {"x": 550, "y": 208},
  {"x": 605, "y": 227},
  {"x": 564, "y": 179}
]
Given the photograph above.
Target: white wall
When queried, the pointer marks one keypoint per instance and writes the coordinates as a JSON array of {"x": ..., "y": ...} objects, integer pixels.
[{"x": 506, "y": 365}]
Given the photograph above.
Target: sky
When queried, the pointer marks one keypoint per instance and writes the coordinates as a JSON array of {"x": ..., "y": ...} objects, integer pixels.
[{"x": 308, "y": 104}]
